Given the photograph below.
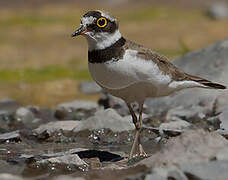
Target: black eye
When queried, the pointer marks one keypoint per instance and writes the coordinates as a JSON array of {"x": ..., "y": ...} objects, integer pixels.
[{"x": 101, "y": 22}]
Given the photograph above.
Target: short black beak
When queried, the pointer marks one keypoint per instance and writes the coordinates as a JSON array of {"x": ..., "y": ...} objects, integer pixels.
[{"x": 82, "y": 30}]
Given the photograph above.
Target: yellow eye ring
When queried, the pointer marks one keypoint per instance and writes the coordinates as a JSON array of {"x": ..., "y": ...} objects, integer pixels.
[{"x": 101, "y": 22}]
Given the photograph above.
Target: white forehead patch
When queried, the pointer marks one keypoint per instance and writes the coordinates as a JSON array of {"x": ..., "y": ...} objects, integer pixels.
[
  {"x": 87, "y": 20},
  {"x": 104, "y": 14}
]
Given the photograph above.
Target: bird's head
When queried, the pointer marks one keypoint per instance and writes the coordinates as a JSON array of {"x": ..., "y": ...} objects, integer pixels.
[{"x": 99, "y": 28}]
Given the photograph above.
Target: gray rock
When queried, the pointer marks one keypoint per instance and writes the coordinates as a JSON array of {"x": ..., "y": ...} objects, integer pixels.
[
  {"x": 45, "y": 115},
  {"x": 89, "y": 87},
  {"x": 218, "y": 11},
  {"x": 24, "y": 115},
  {"x": 103, "y": 119},
  {"x": 186, "y": 113},
  {"x": 44, "y": 158},
  {"x": 197, "y": 115},
  {"x": 210, "y": 63},
  {"x": 109, "y": 101},
  {"x": 64, "y": 126},
  {"x": 106, "y": 119},
  {"x": 166, "y": 172},
  {"x": 72, "y": 159},
  {"x": 71, "y": 151},
  {"x": 168, "y": 132},
  {"x": 32, "y": 116},
  {"x": 11, "y": 136},
  {"x": 221, "y": 108},
  {"x": 174, "y": 125},
  {"x": 76, "y": 110},
  {"x": 210, "y": 170},
  {"x": 206, "y": 170},
  {"x": 5, "y": 176},
  {"x": 190, "y": 147},
  {"x": 79, "y": 105}
]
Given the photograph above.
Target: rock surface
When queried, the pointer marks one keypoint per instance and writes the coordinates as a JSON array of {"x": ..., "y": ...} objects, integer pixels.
[
  {"x": 174, "y": 125},
  {"x": 206, "y": 170},
  {"x": 221, "y": 108},
  {"x": 109, "y": 101},
  {"x": 186, "y": 113},
  {"x": 76, "y": 110},
  {"x": 164, "y": 173},
  {"x": 56, "y": 126},
  {"x": 106, "y": 119},
  {"x": 24, "y": 114},
  {"x": 65, "y": 160},
  {"x": 78, "y": 105},
  {"x": 11, "y": 136},
  {"x": 103, "y": 119},
  {"x": 189, "y": 147}
]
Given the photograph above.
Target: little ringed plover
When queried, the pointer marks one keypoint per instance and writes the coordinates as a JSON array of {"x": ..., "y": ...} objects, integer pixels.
[{"x": 131, "y": 71}]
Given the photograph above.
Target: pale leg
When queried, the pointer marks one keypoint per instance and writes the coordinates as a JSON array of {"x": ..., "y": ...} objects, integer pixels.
[
  {"x": 135, "y": 142},
  {"x": 138, "y": 126},
  {"x": 141, "y": 151}
]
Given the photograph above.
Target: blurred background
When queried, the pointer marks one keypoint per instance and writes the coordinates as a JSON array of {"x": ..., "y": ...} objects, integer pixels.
[{"x": 41, "y": 64}]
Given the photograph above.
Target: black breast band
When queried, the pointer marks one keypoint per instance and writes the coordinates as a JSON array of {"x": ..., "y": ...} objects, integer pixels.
[{"x": 113, "y": 52}]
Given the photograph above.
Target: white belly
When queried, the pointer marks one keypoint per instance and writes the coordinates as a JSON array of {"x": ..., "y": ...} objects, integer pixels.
[{"x": 130, "y": 76}]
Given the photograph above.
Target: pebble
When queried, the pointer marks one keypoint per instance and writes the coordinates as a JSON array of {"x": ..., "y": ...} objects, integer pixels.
[{"x": 11, "y": 136}]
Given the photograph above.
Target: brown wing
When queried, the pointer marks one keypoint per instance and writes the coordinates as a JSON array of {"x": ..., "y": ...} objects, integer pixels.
[
  {"x": 163, "y": 62},
  {"x": 167, "y": 67}
]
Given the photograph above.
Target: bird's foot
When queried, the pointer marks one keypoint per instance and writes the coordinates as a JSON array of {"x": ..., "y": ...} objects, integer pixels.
[
  {"x": 136, "y": 158},
  {"x": 142, "y": 153}
]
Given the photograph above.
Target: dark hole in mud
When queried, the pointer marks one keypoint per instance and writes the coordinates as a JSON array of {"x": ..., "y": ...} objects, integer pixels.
[{"x": 102, "y": 155}]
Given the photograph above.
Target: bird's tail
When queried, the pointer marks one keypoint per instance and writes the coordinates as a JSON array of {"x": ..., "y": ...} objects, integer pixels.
[{"x": 206, "y": 83}]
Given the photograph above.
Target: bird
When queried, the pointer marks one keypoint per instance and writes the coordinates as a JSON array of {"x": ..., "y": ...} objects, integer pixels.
[{"x": 131, "y": 71}]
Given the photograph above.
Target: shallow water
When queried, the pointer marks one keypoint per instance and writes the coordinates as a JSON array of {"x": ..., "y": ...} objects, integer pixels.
[{"x": 21, "y": 157}]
